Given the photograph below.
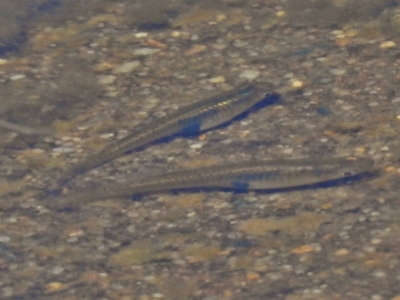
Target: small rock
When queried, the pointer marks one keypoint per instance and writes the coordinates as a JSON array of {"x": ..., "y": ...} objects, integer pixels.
[
  {"x": 17, "y": 76},
  {"x": 107, "y": 79},
  {"x": 240, "y": 44},
  {"x": 217, "y": 79},
  {"x": 196, "y": 49},
  {"x": 387, "y": 45},
  {"x": 141, "y": 35},
  {"x": 63, "y": 150},
  {"x": 145, "y": 51},
  {"x": 338, "y": 72},
  {"x": 126, "y": 67},
  {"x": 250, "y": 74},
  {"x": 196, "y": 146},
  {"x": 4, "y": 239},
  {"x": 175, "y": 34}
]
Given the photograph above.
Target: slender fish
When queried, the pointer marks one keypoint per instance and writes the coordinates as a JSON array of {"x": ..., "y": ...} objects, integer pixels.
[
  {"x": 192, "y": 119},
  {"x": 244, "y": 176}
]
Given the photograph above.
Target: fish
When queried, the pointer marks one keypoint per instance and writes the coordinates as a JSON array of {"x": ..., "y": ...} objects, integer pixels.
[
  {"x": 189, "y": 120},
  {"x": 253, "y": 175}
]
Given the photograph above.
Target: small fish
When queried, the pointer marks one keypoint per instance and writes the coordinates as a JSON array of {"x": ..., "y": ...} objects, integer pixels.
[
  {"x": 244, "y": 176},
  {"x": 189, "y": 120}
]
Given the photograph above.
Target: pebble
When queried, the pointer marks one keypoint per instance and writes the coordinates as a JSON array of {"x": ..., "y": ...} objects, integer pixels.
[
  {"x": 376, "y": 241},
  {"x": 338, "y": 72},
  {"x": 106, "y": 135},
  {"x": 297, "y": 84},
  {"x": 250, "y": 74},
  {"x": 151, "y": 102},
  {"x": 158, "y": 296},
  {"x": 221, "y": 18},
  {"x": 142, "y": 114},
  {"x": 196, "y": 49},
  {"x": 57, "y": 270},
  {"x": 196, "y": 146},
  {"x": 175, "y": 34},
  {"x": 112, "y": 94},
  {"x": 145, "y": 51},
  {"x": 338, "y": 32},
  {"x": 54, "y": 286},
  {"x": 240, "y": 44},
  {"x": 271, "y": 48},
  {"x": 307, "y": 64},
  {"x": 217, "y": 79},
  {"x": 220, "y": 46},
  {"x": 7, "y": 291},
  {"x": 107, "y": 79},
  {"x": 127, "y": 67},
  {"x": 17, "y": 76},
  {"x": 4, "y": 239},
  {"x": 141, "y": 35},
  {"x": 288, "y": 75},
  {"x": 63, "y": 149},
  {"x": 380, "y": 274},
  {"x": 347, "y": 107},
  {"x": 341, "y": 252},
  {"x": 73, "y": 239},
  {"x": 387, "y": 45},
  {"x": 396, "y": 100}
]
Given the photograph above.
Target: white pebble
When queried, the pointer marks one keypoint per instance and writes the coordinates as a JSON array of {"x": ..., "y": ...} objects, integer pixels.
[
  {"x": 175, "y": 34},
  {"x": 18, "y": 76},
  {"x": 141, "y": 35},
  {"x": 145, "y": 51},
  {"x": 107, "y": 79},
  {"x": 196, "y": 146},
  {"x": 387, "y": 44},
  {"x": 63, "y": 149},
  {"x": 106, "y": 135},
  {"x": 396, "y": 100},
  {"x": 57, "y": 270},
  {"x": 338, "y": 72},
  {"x": 4, "y": 239},
  {"x": 380, "y": 274},
  {"x": 250, "y": 74},
  {"x": 240, "y": 44},
  {"x": 217, "y": 79},
  {"x": 126, "y": 67}
]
